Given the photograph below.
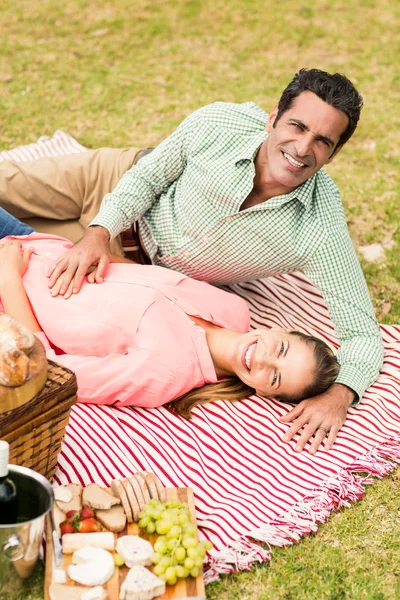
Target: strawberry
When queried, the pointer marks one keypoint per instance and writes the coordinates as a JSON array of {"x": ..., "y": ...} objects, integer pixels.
[
  {"x": 66, "y": 527},
  {"x": 86, "y": 513},
  {"x": 88, "y": 526},
  {"x": 70, "y": 514}
]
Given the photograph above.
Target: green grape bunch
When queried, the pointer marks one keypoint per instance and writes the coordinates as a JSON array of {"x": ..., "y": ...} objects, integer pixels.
[{"x": 177, "y": 553}]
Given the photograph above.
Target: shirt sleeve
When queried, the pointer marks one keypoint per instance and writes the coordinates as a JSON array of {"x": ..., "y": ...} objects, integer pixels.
[
  {"x": 143, "y": 184},
  {"x": 336, "y": 271},
  {"x": 117, "y": 379}
]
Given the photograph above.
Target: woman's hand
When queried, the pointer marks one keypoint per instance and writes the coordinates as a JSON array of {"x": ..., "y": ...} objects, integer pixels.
[{"x": 13, "y": 260}]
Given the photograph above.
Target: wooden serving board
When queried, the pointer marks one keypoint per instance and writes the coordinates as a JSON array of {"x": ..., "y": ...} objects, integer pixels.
[
  {"x": 184, "y": 589},
  {"x": 14, "y": 397}
]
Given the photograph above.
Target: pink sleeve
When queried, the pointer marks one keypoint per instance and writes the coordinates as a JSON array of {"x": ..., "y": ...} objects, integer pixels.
[{"x": 118, "y": 379}]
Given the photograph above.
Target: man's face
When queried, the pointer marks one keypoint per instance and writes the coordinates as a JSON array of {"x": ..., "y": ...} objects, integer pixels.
[{"x": 303, "y": 140}]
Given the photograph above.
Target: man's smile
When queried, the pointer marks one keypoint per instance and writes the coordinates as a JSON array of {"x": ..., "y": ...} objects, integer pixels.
[{"x": 293, "y": 162}]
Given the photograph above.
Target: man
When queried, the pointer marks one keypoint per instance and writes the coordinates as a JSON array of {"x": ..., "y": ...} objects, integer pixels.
[{"x": 233, "y": 195}]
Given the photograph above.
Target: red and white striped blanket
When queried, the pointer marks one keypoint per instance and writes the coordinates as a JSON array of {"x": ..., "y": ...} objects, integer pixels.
[{"x": 248, "y": 485}]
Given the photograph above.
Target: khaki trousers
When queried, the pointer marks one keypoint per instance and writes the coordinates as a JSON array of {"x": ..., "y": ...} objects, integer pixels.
[{"x": 61, "y": 195}]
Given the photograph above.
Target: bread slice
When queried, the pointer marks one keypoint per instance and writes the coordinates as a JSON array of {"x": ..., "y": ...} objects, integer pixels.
[
  {"x": 151, "y": 486},
  {"x": 98, "y": 497},
  {"x": 130, "y": 493},
  {"x": 138, "y": 491},
  {"x": 141, "y": 479},
  {"x": 76, "y": 541},
  {"x": 76, "y": 502},
  {"x": 113, "y": 519},
  {"x": 119, "y": 492},
  {"x": 162, "y": 494}
]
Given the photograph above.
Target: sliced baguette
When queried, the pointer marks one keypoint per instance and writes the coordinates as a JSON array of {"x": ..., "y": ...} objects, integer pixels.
[
  {"x": 75, "y": 541},
  {"x": 151, "y": 485},
  {"x": 138, "y": 491},
  {"x": 76, "y": 502},
  {"x": 113, "y": 519},
  {"x": 97, "y": 497},
  {"x": 141, "y": 479},
  {"x": 162, "y": 494},
  {"x": 130, "y": 493},
  {"x": 119, "y": 491}
]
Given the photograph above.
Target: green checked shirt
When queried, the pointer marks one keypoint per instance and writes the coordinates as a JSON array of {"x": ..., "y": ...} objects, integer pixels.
[{"x": 186, "y": 196}]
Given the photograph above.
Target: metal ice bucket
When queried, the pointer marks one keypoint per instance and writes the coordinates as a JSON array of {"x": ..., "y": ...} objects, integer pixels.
[{"x": 20, "y": 542}]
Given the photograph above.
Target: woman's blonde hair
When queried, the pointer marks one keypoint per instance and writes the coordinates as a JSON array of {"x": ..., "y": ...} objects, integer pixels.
[{"x": 326, "y": 371}]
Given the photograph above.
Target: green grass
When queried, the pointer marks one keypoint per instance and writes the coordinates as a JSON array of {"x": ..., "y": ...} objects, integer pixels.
[{"x": 126, "y": 73}]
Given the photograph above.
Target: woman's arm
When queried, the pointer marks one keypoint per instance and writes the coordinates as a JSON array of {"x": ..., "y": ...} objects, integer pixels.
[{"x": 15, "y": 302}]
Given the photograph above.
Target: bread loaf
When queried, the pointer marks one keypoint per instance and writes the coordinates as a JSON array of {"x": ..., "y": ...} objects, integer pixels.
[{"x": 16, "y": 342}]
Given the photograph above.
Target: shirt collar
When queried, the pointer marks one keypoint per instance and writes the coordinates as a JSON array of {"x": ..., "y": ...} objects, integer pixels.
[
  {"x": 250, "y": 148},
  {"x": 304, "y": 193}
]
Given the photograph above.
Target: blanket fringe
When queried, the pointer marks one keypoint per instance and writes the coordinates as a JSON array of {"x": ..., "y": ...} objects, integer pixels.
[{"x": 338, "y": 491}]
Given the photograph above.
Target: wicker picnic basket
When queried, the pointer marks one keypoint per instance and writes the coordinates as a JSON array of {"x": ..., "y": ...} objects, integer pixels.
[{"x": 35, "y": 429}]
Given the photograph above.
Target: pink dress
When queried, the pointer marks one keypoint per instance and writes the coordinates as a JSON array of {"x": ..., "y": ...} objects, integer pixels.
[{"x": 129, "y": 340}]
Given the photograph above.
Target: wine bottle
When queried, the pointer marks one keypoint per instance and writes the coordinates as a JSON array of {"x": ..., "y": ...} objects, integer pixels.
[{"x": 8, "y": 491}]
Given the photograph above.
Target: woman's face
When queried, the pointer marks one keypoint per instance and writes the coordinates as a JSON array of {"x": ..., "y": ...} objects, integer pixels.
[{"x": 273, "y": 362}]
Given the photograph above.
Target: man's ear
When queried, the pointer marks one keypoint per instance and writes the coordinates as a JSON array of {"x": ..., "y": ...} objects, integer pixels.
[
  {"x": 334, "y": 153},
  {"x": 271, "y": 119}
]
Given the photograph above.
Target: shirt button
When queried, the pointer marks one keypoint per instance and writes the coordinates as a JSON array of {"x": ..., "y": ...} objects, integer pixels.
[
  {"x": 185, "y": 253},
  {"x": 205, "y": 239},
  {"x": 229, "y": 219}
]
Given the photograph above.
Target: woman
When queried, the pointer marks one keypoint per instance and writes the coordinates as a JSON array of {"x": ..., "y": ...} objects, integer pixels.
[{"x": 148, "y": 335}]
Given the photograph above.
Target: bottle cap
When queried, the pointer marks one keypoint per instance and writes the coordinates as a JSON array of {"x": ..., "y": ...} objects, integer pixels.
[{"x": 4, "y": 456}]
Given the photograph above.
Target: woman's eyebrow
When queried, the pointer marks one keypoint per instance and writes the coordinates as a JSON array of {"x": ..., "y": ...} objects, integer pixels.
[{"x": 287, "y": 348}]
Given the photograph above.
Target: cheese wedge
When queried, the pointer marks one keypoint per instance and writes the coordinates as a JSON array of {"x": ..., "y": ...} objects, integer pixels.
[
  {"x": 135, "y": 550},
  {"x": 91, "y": 566},
  {"x": 141, "y": 584}
]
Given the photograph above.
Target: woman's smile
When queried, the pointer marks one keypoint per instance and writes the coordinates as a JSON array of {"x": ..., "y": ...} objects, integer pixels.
[{"x": 248, "y": 355}]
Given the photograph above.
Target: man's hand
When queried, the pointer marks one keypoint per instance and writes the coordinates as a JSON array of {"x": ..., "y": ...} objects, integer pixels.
[
  {"x": 92, "y": 250},
  {"x": 319, "y": 416}
]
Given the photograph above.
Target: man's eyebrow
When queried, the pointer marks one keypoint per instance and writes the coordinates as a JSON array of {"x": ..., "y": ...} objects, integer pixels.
[{"x": 323, "y": 138}]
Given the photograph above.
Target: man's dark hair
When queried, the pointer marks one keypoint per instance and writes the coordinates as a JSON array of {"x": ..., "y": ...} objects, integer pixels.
[{"x": 336, "y": 90}]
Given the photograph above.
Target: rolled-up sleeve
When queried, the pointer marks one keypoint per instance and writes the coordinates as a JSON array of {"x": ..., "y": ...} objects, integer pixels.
[
  {"x": 143, "y": 184},
  {"x": 335, "y": 270}
]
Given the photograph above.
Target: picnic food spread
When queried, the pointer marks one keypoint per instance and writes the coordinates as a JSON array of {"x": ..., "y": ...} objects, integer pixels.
[{"x": 101, "y": 553}]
